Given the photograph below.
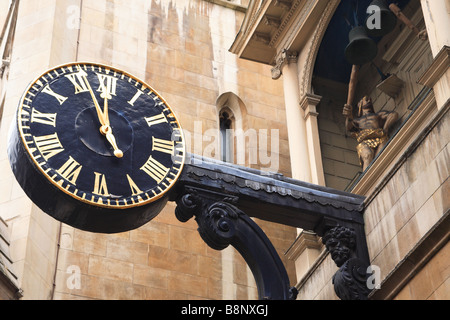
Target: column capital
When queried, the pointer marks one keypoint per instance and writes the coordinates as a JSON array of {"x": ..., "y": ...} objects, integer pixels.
[
  {"x": 308, "y": 103},
  {"x": 284, "y": 58},
  {"x": 290, "y": 56}
]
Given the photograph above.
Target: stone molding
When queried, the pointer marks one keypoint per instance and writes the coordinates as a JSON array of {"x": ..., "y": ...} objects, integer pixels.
[
  {"x": 438, "y": 68},
  {"x": 306, "y": 240}
]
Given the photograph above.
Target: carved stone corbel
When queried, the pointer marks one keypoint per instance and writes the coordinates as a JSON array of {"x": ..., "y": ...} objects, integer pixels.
[
  {"x": 221, "y": 223},
  {"x": 350, "y": 281}
]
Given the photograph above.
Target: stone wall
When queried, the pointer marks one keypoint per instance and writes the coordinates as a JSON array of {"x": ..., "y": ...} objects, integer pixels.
[
  {"x": 430, "y": 283},
  {"x": 411, "y": 204}
]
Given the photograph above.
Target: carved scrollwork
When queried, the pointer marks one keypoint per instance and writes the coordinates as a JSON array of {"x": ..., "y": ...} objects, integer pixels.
[
  {"x": 186, "y": 207},
  {"x": 350, "y": 281},
  {"x": 216, "y": 222},
  {"x": 217, "y": 226}
]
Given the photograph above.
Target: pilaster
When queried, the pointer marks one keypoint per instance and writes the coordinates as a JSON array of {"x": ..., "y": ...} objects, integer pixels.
[
  {"x": 437, "y": 76},
  {"x": 304, "y": 251},
  {"x": 437, "y": 20},
  {"x": 309, "y": 104},
  {"x": 296, "y": 123}
]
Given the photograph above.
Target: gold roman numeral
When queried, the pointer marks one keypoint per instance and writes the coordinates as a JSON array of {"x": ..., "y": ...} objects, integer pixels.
[
  {"x": 70, "y": 170},
  {"x": 155, "y": 170},
  {"x": 136, "y": 96},
  {"x": 79, "y": 81},
  {"x": 44, "y": 118},
  {"x": 163, "y": 145},
  {"x": 100, "y": 186},
  {"x": 49, "y": 146},
  {"x": 61, "y": 99},
  {"x": 108, "y": 85},
  {"x": 160, "y": 118},
  {"x": 134, "y": 188}
]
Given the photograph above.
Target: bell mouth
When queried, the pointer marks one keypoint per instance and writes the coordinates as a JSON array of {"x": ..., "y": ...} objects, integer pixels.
[{"x": 361, "y": 49}]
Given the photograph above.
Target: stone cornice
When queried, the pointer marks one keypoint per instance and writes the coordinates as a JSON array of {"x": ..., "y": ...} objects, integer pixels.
[
  {"x": 286, "y": 25},
  {"x": 288, "y": 18},
  {"x": 437, "y": 69},
  {"x": 251, "y": 18}
]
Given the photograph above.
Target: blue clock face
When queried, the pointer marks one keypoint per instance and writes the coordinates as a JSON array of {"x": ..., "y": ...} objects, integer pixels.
[{"x": 101, "y": 135}]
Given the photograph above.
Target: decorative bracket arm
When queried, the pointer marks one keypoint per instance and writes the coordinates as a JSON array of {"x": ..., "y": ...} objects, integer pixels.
[
  {"x": 212, "y": 191},
  {"x": 221, "y": 223}
]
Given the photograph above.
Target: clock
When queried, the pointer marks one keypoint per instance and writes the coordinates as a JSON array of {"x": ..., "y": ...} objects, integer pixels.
[{"x": 96, "y": 148}]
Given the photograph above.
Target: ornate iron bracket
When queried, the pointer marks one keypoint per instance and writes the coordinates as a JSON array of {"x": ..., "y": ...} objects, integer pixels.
[
  {"x": 211, "y": 191},
  {"x": 221, "y": 223}
]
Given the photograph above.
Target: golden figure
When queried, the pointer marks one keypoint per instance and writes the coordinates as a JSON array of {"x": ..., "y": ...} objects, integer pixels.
[{"x": 370, "y": 129}]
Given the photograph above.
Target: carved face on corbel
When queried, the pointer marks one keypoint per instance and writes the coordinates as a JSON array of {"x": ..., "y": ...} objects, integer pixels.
[{"x": 340, "y": 242}]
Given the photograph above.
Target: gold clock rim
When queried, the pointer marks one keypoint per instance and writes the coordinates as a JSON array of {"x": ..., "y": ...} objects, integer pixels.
[{"x": 78, "y": 198}]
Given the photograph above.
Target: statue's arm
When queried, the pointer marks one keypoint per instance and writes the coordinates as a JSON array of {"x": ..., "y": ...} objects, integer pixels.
[{"x": 348, "y": 114}]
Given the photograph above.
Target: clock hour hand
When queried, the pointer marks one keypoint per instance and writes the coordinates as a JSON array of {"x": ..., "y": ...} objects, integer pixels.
[{"x": 107, "y": 131}]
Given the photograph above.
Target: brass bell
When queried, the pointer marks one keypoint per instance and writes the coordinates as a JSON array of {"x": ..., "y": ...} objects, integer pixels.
[
  {"x": 361, "y": 49},
  {"x": 382, "y": 21}
]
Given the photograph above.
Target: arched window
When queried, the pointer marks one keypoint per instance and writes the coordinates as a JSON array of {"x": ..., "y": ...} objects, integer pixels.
[{"x": 226, "y": 119}]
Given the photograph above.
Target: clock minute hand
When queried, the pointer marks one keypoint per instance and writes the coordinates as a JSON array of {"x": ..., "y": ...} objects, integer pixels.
[
  {"x": 100, "y": 114},
  {"x": 105, "y": 129},
  {"x": 105, "y": 110}
]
